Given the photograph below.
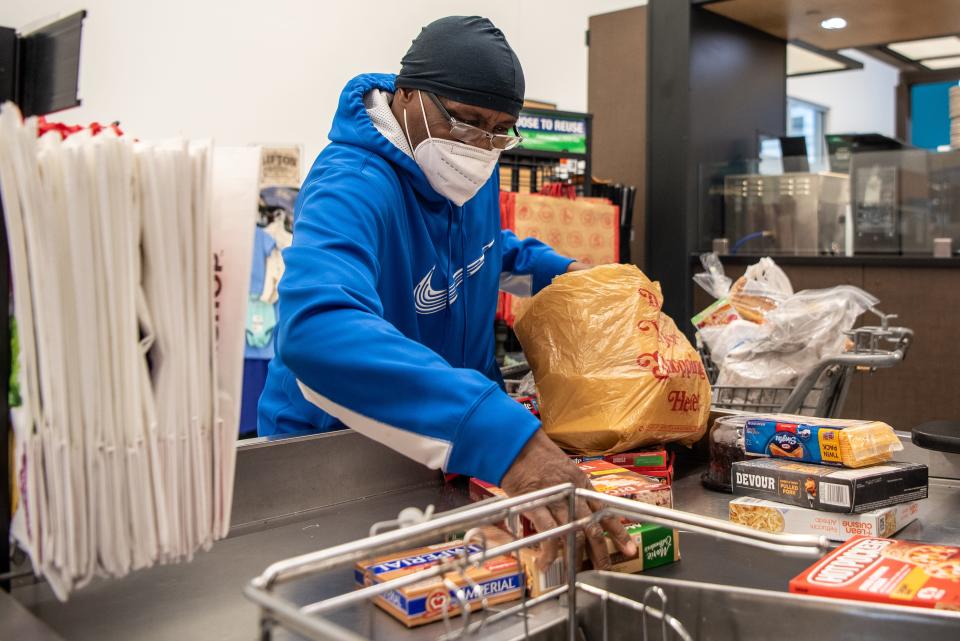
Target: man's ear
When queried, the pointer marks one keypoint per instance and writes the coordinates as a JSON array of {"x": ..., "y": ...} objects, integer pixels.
[{"x": 403, "y": 95}]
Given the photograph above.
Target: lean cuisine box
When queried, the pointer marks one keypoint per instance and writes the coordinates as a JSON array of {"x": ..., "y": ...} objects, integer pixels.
[
  {"x": 887, "y": 571},
  {"x": 830, "y": 489},
  {"x": 498, "y": 579},
  {"x": 791, "y": 519}
]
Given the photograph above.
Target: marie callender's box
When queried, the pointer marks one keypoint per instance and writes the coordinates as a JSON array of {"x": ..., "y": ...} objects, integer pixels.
[
  {"x": 497, "y": 579},
  {"x": 887, "y": 571}
]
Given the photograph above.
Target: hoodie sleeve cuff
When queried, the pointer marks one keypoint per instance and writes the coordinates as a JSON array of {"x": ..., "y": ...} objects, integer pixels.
[
  {"x": 549, "y": 265},
  {"x": 491, "y": 437}
]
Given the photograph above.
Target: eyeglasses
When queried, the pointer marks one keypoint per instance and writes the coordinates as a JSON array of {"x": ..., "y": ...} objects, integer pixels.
[{"x": 475, "y": 135}]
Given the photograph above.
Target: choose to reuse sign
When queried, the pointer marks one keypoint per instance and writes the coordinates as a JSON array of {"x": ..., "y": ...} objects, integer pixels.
[{"x": 543, "y": 132}]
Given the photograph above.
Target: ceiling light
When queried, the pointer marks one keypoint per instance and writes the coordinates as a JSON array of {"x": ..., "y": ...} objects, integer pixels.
[
  {"x": 802, "y": 61},
  {"x": 834, "y": 23},
  {"x": 930, "y": 48},
  {"x": 941, "y": 63}
]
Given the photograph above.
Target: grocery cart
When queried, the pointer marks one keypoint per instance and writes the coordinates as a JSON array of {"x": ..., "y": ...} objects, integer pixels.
[
  {"x": 316, "y": 620},
  {"x": 589, "y": 606},
  {"x": 823, "y": 390}
]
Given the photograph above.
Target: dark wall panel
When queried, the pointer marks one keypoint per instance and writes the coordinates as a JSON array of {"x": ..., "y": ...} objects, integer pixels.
[
  {"x": 714, "y": 84},
  {"x": 738, "y": 89},
  {"x": 668, "y": 122},
  {"x": 617, "y": 98}
]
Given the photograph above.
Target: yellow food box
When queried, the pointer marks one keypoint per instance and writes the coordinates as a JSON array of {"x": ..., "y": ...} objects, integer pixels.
[
  {"x": 824, "y": 441},
  {"x": 497, "y": 580}
]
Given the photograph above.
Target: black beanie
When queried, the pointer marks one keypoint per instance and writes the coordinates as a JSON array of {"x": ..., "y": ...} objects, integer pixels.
[{"x": 467, "y": 59}]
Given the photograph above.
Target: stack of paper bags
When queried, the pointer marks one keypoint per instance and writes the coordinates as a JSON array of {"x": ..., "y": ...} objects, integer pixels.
[{"x": 124, "y": 442}]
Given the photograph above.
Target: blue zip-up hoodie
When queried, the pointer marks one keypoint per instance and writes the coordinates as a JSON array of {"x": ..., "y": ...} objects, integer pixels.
[{"x": 387, "y": 306}]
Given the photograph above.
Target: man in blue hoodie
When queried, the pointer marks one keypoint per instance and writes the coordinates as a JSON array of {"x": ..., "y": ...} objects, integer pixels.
[{"x": 390, "y": 288}]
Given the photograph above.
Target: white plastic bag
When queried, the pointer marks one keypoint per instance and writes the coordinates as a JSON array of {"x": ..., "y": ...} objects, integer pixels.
[
  {"x": 760, "y": 290},
  {"x": 765, "y": 276},
  {"x": 712, "y": 279},
  {"x": 802, "y": 331}
]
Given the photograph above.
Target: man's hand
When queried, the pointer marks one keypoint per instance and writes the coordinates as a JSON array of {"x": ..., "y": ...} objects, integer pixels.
[
  {"x": 577, "y": 266},
  {"x": 542, "y": 464}
]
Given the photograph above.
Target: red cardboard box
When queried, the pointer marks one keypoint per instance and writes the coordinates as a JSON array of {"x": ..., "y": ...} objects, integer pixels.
[
  {"x": 657, "y": 463},
  {"x": 657, "y": 459},
  {"x": 887, "y": 571}
]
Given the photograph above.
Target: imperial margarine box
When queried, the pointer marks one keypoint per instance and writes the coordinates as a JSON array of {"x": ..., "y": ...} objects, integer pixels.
[{"x": 497, "y": 579}]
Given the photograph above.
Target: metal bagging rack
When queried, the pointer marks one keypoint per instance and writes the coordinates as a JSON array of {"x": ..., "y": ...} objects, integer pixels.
[
  {"x": 39, "y": 71},
  {"x": 313, "y": 620},
  {"x": 823, "y": 390}
]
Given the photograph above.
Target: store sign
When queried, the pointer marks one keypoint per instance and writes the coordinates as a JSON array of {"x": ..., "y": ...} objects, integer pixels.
[
  {"x": 542, "y": 132},
  {"x": 280, "y": 167}
]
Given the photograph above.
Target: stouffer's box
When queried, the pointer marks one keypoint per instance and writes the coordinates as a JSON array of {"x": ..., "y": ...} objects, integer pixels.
[{"x": 887, "y": 571}]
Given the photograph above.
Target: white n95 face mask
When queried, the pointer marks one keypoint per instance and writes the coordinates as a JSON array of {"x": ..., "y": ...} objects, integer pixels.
[{"x": 454, "y": 169}]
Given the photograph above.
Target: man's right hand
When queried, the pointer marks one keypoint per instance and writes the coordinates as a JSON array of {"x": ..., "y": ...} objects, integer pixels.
[{"x": 542, "y": 464}]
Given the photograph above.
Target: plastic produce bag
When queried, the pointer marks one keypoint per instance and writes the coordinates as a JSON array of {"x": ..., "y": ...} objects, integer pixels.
[
  {"x": 761, "y": 289},
  {"x": 613, "y": 371},
  {"x": 713, "y": 279},
  {"x": 806, "y": 328}
]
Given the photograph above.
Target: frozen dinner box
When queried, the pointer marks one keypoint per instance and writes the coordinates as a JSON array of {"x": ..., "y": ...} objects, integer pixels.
[
  {"x": 615, "y": 480},
  {"x": 656, "y": 546},
  {"x": 830, "y": 489},
  {"x": 887, "y": 571},
  {"x": 777, "y": 518},
  {"x": 497, "y": 579},
  {"x": 656, "y": 463},
  {"x": 607, "y": 478}
]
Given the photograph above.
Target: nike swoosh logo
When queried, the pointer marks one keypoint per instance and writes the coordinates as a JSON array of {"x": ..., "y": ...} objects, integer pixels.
[{"x": 430, "y": 301}]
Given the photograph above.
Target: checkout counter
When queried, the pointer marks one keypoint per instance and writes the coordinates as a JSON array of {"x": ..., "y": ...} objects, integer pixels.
[{"x": 300, "y": 495}]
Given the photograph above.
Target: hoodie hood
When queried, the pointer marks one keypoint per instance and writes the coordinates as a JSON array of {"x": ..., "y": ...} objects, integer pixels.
[{"x": 352, "y": 126}]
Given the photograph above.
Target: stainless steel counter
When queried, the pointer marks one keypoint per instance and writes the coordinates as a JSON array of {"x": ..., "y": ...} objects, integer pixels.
[
  {"x": 705, "y": 559},
  {"x": 203, "y": 600}
]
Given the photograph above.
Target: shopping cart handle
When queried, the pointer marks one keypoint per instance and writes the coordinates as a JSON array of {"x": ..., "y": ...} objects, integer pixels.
[
  {"x": 881, "y": 359},
  {"x": 869, "y": 360}
]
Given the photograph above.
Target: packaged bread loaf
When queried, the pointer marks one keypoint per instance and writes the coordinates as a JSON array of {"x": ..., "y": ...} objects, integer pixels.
[{"x": 751, "y": 307}]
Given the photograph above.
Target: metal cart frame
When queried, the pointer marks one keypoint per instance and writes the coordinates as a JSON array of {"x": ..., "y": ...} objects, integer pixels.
[
  {"x": 822, "y": 391},
  {"x": 309, "y": 620}
]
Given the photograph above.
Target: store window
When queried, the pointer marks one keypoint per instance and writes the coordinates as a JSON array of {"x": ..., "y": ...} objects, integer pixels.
[
  {"x": 930, "y": 114},
  {"x": 809, "y": 120}
]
